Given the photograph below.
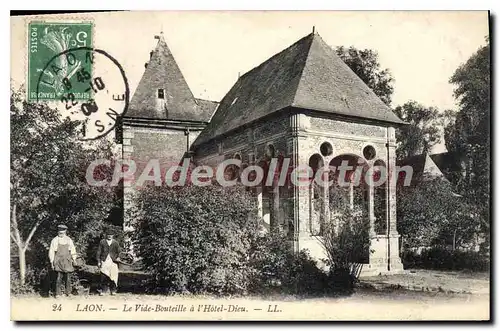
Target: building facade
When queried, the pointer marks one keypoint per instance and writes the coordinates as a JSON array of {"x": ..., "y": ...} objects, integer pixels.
[{"x": 303, "y": 107}]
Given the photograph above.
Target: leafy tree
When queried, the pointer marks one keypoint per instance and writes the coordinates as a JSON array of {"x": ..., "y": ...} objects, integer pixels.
[
  {"x": 365, "y": 64},
  {"x": 421, "y": 133},
  {"x": 469, "y": 134},
  {"x": 48, "y": 184},
  {"x": 430, "y": 214}
]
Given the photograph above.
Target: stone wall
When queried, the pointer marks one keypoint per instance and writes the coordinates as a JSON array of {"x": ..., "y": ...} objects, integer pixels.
[
  {"x": 167, "y": 145},
  {"x": 250, "y": 143},
  {"x": 143, "y": 144}
]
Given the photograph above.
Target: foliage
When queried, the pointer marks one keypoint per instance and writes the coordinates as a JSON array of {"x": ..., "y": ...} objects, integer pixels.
[
  {"x": 26, "y": 287},
  {"x": 275, "y": 268},
  {"x": 469, "y": 134},
  {"x": 207, "y": 240},
  {"x": 422, "y": 132},
  {"x": 196, "y": 239},
  {"x": 346, "y": 241},
  {"x": 365, "y": 64},
  {"x": 48, "y": 184},
  {"x": 439, "y": 258},
  {"x": 430, "y": 214}
]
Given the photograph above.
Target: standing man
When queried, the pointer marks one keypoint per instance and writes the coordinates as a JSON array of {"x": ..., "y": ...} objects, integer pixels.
[
  {"x": 62, "y": 254},
  {"x": 107, "y": 259}
]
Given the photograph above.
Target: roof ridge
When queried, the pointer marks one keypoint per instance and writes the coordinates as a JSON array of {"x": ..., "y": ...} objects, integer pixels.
[
  {"x": 263, "y": 63},
  {"x": 319, "y": 47},
  {"x": 312, "y": 35}
]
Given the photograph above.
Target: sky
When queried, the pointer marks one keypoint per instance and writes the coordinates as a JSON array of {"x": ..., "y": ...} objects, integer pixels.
[{"x": 421, "y": 49}]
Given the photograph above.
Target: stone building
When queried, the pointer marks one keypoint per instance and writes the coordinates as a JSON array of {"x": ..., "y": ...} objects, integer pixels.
[{"x": 303, "y": 104}]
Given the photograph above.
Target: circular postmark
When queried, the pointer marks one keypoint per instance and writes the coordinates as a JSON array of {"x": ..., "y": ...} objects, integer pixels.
[{"x": 91, "y": 87}]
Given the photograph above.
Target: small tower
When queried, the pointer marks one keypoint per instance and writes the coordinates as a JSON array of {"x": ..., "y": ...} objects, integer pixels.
[{"x": 163, "y": 117}]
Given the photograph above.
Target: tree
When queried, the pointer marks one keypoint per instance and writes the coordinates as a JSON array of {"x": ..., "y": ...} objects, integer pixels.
[
  {"x": 48, "y": 184},
  {"x": 430, "y": 214},
  {"x": 422, "y": 131},
  {"x": 365, "y": 64},
  {"x": 469, "y": 134}
]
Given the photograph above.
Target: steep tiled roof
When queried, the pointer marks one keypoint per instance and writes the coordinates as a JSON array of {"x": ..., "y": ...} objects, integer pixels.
[
  {"x": 162, "y": 72},
  {"x": 448, "y": 161},
  {"x": 207, "y": 108},
  {"x": 307, "y": 75},
  {"x": 423, "y": 167}
]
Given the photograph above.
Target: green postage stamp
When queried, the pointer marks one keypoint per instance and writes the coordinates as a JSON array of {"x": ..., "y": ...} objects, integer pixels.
[{"x": 46, "y": 70}]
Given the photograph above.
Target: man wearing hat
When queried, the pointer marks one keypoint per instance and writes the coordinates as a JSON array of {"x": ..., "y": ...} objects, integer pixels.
[
  {"x": 107, "y": 259},
  {"x": 62, "y": 254}
]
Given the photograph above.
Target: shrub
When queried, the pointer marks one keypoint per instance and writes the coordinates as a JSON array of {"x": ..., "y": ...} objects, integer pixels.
[
  {"x": 196, "y": 239},
  {"x": 28, "y": 287},
  {"x": 276, "y": 269},
  {"x": 345, "y": 239},
  {"x": 305, "y": 278},
  {"x": 444, "y": 259},
  {"x": 206, "y": 240}
]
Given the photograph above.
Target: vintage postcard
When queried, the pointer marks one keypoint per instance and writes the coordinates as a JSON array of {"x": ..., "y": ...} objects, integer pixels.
[{"x": 250, "y": 166}]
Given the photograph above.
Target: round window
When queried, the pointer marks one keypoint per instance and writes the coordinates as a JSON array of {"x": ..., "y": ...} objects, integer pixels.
[
  {"x": 326, "y": 149},
  {"x": 369, "y": 152}
]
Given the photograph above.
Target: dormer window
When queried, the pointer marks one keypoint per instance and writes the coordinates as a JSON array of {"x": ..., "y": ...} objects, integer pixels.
[{"x": 161, "y": 93}]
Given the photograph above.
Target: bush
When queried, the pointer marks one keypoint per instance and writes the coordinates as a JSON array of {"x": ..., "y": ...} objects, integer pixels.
[
  {"x": 276, "y": 269},
  {"x": 346, "y": 241},
  {"x": 29, "y": 285},
  {"x": 444, "y": 259},
  {"x": 196, "y": 239},
  {"x": 205, "y": 240}
]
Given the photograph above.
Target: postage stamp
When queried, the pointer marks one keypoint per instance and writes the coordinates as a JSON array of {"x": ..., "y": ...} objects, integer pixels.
[
  {"x": 45, "y": 41},
  {"x": 98, "y": 85}
]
